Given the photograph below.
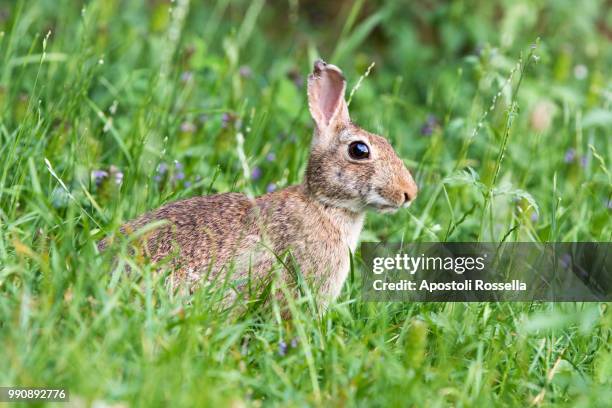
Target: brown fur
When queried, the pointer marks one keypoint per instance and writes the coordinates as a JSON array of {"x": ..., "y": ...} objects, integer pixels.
[{"x": 318, "y": 221}]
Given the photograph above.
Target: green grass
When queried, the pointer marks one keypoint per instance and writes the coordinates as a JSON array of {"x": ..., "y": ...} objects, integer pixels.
[{"x": 124, "y": 87}]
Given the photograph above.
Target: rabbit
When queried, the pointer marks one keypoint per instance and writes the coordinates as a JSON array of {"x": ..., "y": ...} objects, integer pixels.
[{"x": 349, "y": 171}]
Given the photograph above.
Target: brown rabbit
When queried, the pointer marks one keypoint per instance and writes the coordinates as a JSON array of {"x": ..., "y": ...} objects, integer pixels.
[{"x": 318, "y": 221}]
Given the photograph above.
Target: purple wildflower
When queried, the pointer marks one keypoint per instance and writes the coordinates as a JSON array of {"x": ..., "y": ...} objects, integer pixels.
[
  {"x": 294, "y": 342},
  {"x": 429, "y": 126},
  {"x": 157, "y": 178},
  {"x": 187, "y": 184},
  {"x": 271, "y": 157},
  {"x": 188, "y": 127},
  {"x": 256, "y": 173},
  {"x": 116, "y": 174},
  {"x": 225, "y": 119},
  {"x": 271, "y": 187},
  {"x": 245, "y": 71},
  {"x": 534, "y": 217},
  {"x": 179, "y": 175},
  {"x": 162, "y": 168},
  {"x": 584, "y": 160},
  {"x": 99, "y": 176},
  {"x": 178, "y": 165},
  {"x": 229, "y": 118},
  {"x": 282, "y": 348},
  {"x": 565, "y": 261},
  {"x": 570, "y": 155}
]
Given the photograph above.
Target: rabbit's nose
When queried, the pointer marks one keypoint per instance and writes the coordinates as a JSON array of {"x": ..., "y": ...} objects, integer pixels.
[
  {"x": 410, "y": 190},
  {"x": 408, "y": 198}
]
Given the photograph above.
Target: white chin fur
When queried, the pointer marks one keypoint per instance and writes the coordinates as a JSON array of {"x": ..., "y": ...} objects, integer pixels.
[{"x": 386, "y": 210}]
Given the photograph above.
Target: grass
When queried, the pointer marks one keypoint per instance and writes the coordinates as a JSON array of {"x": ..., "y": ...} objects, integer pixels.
[{"x": 108, "y": 109}]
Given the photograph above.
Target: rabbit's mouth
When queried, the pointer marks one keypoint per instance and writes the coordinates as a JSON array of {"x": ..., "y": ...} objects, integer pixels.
[
  {"x": 385, "y": 208},
  {"x": 379, "y": 203}
]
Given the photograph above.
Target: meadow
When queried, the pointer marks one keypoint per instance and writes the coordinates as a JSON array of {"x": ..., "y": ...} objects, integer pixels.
[{"x": 109, "y": 108}]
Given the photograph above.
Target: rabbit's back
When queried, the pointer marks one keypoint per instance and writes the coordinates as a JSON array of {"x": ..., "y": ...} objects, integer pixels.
[{"x": 198, "y": 232}]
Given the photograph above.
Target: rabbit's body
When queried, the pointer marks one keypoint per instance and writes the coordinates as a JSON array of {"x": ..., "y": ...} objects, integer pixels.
[
  {"x": 318, "y": 222},
  {"x": 206, "y": 235}
]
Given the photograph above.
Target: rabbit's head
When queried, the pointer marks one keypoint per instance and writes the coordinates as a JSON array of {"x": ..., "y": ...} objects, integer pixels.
[{"x": 348, "y": 166}]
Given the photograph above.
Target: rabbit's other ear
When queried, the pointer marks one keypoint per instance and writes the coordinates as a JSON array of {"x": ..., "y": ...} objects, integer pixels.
[{"x": 326, "y": 87}]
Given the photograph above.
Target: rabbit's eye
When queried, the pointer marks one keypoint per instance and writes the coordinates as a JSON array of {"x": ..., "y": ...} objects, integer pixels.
[{"x": 359, "y": 151}]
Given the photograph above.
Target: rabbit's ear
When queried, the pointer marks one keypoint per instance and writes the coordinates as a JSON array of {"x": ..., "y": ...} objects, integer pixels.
[{"x": 326, "y": 87}]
